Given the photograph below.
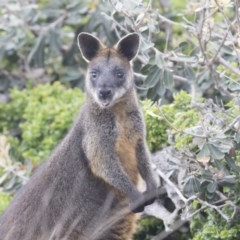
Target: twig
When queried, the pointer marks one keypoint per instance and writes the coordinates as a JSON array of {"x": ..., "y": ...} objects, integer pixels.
[
  {"x": 115, "y": 22},
  {"x": 216, "y": 208},
  {"x": 199, "y": 36},
  {"x": 164, "y": 19},
  {"x": 12, "y": 170},
  {"x": 180, "y": 79},
  {"x": 232, "y": 124},
  {"x": 221, "y": 45},
  {"x": 39, "y": 29},
  {"x": 237, "y": 13},
  {"x": 166, "y": 119},
  {"x": 124, "y": 13},
  {"x": 145, "y": 12},
  {"x": 227, "y": 65},
  {"x": 170, "y": 183},
  {"x": 178, "y": 224}
]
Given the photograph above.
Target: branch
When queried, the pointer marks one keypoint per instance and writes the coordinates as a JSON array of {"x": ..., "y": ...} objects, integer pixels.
[
  {"x": 180, "y": 79},
  {"x": 170, "y": 183},
  {"x": 227, "y": 65},
  {"x": 58, "y": 21},
  {"x": 164, "y": 19},
  {"x": 115, "y": 22},
  {"x": 178, "y": 224},
  {"x": 217, "y": 209},
  {"x": 148, "y": 198},
  {"x": 221, "y": 45},
  {"x": 13, "y": 171}
]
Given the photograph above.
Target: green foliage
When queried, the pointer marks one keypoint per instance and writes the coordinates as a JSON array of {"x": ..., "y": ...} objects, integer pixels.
[
  {"x": 35, "y": 120},
  {"x": 207, "y": 134},
  {"x": 13, "y": 174},
  {"x": 186, "y": 45},
  {"x": 213, "y": 227},
  {"x": 174, "y": 117},
  {"x": 5, "y": 199},
  {"x": 43, "y": 115},
  {"x": 148, "y": 227},
  {"x": 155, "y": 125}
]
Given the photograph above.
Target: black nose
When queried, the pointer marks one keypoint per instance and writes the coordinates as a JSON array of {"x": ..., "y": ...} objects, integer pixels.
[{"x": 105, "y": 93}]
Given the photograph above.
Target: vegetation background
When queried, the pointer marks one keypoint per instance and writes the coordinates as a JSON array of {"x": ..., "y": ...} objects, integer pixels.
[{"x": 187, "y": 74}]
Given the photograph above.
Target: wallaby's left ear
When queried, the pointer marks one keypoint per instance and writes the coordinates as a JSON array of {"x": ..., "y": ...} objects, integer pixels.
[
  {"x": 128, "y": 46},
  {"x": 89, "y": 45}
]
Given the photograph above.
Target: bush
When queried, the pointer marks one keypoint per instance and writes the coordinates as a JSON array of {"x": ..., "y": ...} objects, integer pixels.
[
  {"x": 210, "y": 226},
  {"x": 172, "y": 118},
  {"x": 41, "y": 116},
  {"x": 5, "y": 199},
  {"x": 148, "y": 227},
  {"x": 35, "y": 120}
]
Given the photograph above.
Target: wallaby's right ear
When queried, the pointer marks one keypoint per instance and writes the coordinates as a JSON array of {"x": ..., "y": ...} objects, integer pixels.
[{"x": 89, "y": 45}]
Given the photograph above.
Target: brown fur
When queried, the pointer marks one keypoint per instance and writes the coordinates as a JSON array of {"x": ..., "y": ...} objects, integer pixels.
[{"x": 125, "y": 145}]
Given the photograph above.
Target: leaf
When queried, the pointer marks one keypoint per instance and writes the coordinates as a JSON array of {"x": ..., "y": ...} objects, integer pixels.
[
  {"x": 237, "y": 137},
  {"x": 231, "y": 163},
  {"x": 204, "y": 160},
  {"x": 168, "y": 79},
  {"x": 155, "y": 92},
  {"x": 206, "y": 175},
  {"x": 186, "y": 59},
  {"x": 189, "y": 73},
  {"x": 37, "y": 52},
  {"x": 191, "y": 186},
  {"x": 54, "y": 42},
  {"x": 145, "y": 44},
  {"x": 154, "y": 76},
  {"x": 204, "y": 152},
  {"x": 234, "y": 86},
  {"x": 215, "y": 152},
  {"x": 204, "y": 184},
  {"x": 4, "y": 83},
  {"x": 160, "y": 88},
  {"x": 158, "y": 59},
  {"x": 221, "y": 142},
  {"x": 212, "y": 187},
  {"x": 184, "y": 46},
  {"x": 196, "y": 131},
  {"x": 4, "y": 177},
  {"x": 209, "y": 196},
  {"x": 139, "y": 18},
  {"x": 230, "y": 179},
  {"x": 10, "y": 184},
  {"x": 72, "y": 74},
  {"x": 220, "y": 165}
]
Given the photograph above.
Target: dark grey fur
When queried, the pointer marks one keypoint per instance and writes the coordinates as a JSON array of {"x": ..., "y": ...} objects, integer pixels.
[{"x": 79, "y": 191}]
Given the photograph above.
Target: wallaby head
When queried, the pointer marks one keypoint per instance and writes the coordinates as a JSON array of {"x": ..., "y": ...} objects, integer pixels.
[{"x": 109, "y": 76}]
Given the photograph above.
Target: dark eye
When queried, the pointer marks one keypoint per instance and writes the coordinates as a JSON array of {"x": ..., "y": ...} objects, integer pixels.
[
  {"x": 94, "y": 74},
  {"x": 120, "y": 74}
]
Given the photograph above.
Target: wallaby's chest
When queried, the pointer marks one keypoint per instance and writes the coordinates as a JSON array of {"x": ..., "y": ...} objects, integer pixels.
[{"x": 126, "y": 144}]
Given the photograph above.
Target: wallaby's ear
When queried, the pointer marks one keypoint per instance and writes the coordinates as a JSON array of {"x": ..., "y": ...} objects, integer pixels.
[
  {"x": 128, "y": 46},
  {"x": 88, "y": 45}
]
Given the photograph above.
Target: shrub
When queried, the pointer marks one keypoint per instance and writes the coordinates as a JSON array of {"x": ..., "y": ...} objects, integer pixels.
[
  {"x": 41, "y": 116},
  {"x": 212, "y": 226},
  {"x": 148, "y": 227},
  {"x": 5, "y": 199},
  {"x": 163, "y": 121}
]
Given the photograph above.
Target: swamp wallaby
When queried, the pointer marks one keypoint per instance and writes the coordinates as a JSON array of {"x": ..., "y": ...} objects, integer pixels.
[{"x": 78, "y": 193}]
